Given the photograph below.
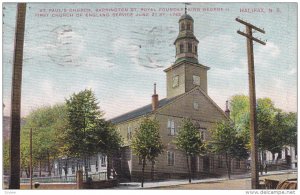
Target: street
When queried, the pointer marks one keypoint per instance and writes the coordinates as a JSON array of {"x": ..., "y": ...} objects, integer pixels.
[{"x": 238, "y": 182}]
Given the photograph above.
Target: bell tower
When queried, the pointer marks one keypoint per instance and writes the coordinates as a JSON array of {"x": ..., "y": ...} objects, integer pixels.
[{"x": 186, "y": 72}]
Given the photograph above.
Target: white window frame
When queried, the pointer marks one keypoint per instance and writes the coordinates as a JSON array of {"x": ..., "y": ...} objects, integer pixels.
[
  {"x": 171, "y": 158},
  {"x": 103, "y": 161},
  {"x": 196, "y": 105},
  {"x": 196, "y": 80},
  {"x": 171, "y": 127},
  {"x": 203, "y": 134}
]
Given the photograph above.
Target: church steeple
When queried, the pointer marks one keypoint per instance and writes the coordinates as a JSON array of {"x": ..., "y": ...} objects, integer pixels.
[
  {"x": 186, "y": 73},
  {"x": 186, "y": 43}
]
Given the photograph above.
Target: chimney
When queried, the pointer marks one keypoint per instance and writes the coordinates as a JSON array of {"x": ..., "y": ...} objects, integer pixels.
[
  {"x": 227, "y": 111},
  {"x": 154, "y": 99}
]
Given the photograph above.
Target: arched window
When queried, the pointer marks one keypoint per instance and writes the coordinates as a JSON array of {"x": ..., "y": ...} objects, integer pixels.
[
  {"x": 196, "y": 49},
  {"x": 189, "y": 47},
  {"x": 181, "y": 48},
  {"x": 182, "y": 26},
  {"x": 188, "y": 27}
]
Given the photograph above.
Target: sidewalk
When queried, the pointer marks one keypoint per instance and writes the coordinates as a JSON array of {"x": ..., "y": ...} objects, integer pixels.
[{"x": 147, "y": 185}]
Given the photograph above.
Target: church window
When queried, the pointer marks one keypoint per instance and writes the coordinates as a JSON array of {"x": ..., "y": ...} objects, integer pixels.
[
  {"x": 196, "y": 49},
  {"x": 129, "y": 133},
  {"x": 103, "y": 161},
  {"x": 175, "y": 81},
  {"x": 202, "y": 133},
  {"x": 196, "y": 80},
  {"x": 171, "y": 158},
  {"x": 196, "y": 106},
  {"x": 188, "y": 26},
  {"x": 171, "y": 127},
  {"x": 182, "y": 27},
  {"x": 189, "y": 47},
  {"x": 181, "y": 48}
]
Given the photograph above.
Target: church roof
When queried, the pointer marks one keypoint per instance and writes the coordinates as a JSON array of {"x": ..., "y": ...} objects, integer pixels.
[
  {"x": 140, "y": 111},
  {"x": 148, "y": 108},
  {"x": 186, "y": 16}
]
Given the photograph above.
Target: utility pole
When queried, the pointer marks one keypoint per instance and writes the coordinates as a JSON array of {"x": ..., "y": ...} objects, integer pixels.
[
  {"x": 252, "y": 96},
  {"x": 30, "y": 158},
  {"x": 14, "y": 180}
]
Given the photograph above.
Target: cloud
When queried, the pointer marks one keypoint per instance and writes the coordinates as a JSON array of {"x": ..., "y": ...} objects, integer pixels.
[
  {"x": 98, "y": 62},
  {"x": 219, "y": 51},
  {"x": 266, "y": 55}
]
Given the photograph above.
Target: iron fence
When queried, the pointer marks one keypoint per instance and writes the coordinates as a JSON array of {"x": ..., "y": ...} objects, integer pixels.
[{"x": 65, "y": 179}]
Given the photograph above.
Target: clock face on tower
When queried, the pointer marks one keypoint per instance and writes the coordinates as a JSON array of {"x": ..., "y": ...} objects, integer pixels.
[{"x": 175, "y": 81}]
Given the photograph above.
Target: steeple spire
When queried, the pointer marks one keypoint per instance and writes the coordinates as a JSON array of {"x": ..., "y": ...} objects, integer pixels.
[
  {"x": 186, "y": 43},
  {"x": 185, "y": 8}
]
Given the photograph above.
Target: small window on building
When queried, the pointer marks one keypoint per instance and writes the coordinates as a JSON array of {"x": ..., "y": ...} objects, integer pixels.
[
  {"x": 129, "y": 133},
  {"x": 96, "y": 166},
  {"x": 171, "y": 127},
  {"x": 171, "y": 158},
  {"x": 88, "y": 164},
  {"x": 196, "y": 80},
  {"x": 196, "y": 106},
  {"x": 181, "y": 46},
  {"x": 73, "y": 169},
  {"x": 196, "y": 49},
  {"x": 175, "y": 81},
  {"x": 103, "y": 161},
  {"x": 188, "y": 27},
  {"x": 189, "y": 47},
  {"x": 202, "y": 134},
  {"x": 182, "y": 27}
]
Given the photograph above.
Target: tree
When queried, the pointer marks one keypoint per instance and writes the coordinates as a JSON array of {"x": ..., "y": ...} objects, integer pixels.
[
  {"x": 275, "y": 127},
  {"x": 46, "y": 124},
  {"x": 146, "y": 143},
  {"x": 109, "y": 142},
  {"x": 6, "y": 158},
  {"x": 189, "y": 140},
  {"x": 81, "y": 136},
  {"x": 226, "y": 140}
]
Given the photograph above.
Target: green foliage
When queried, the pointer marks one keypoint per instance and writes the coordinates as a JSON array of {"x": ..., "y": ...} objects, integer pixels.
[
  {"x": 146, "y": 142},
  {"x": 6, "y": 157},
  {"x": 109, "y": 141},
  {"x": 46, "y": 123},
  {"x": 188, "y": 139},
  {"x": 226, "y": 140},
  {"x": 83, "y": 124},
  {"x": 88, "y": 133},
  {"x": 275, "y": 128}
]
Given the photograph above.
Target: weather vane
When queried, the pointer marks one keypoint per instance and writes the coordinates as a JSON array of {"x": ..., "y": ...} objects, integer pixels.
[{"x": 185, "y": 8}]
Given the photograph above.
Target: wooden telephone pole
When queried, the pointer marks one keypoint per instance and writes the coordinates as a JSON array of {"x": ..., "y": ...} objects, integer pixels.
[
  {"x": 252, "y": 96},
  {"x": 14, "y": 180}
]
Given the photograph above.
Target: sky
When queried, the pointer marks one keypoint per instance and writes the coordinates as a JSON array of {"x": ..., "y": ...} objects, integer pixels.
[{"x": 120, "y": 49}]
